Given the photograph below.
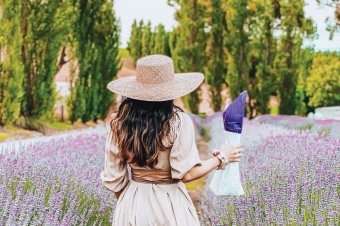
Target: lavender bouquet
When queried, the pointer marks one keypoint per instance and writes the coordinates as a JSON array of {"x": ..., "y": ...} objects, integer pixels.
[{"x": 227, "y": 181}]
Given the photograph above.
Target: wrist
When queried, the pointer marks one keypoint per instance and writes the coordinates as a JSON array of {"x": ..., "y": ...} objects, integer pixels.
[{"x": 222, "y": 158}]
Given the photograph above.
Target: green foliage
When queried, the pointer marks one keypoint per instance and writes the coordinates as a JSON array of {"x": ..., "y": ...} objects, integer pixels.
[
  {"x": 217, "y": 67},
  {"x": 143, "y": 41},
  {"x": 147, "y": 40},
  {"x": 31, "y": 123},
  {"x": 237, "y": 46},
  {"x": 135, "y": 42},
  {"x": 204, "y": 133},
  {"x": 262, "y": 55},
  {"x": 189, "y": 52},
  {"x": 96, "y": 35},
  {"x": 124, "y": 53},
  {"x": 161, "y": 41},
  {"x": 11, "y": 67},
  {"x": 294, "y": 26},
  {"x": 302, "y": 107},
  {"x": 43, "y": 31},
  {"x": 323, "y": 84}
]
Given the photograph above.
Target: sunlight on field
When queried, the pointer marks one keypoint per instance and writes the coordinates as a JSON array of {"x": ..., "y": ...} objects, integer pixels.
[
  {"x": 59, "y": 125},
  {"x": 3, "y": 136},
  {"x": 124, "y": 53},
  {"x": 197, "y": 184}
]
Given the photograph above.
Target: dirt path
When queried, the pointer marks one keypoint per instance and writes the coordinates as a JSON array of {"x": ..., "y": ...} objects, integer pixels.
[{"x": 196, "y": 188}]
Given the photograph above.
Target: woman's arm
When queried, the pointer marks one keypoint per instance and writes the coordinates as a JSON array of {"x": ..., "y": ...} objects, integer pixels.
[
  {"x": 198, "y": 171},
  {"x": 201, "y": 170}
]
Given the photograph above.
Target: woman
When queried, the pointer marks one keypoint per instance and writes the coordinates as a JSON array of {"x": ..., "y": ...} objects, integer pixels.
[{"x": 156, "y": 140}]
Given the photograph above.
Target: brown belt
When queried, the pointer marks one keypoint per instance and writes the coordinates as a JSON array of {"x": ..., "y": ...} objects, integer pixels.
[{"x": 152, "y": 176}]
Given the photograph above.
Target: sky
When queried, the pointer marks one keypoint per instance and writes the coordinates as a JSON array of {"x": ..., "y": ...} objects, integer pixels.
[{"x": 157, "y": 11}]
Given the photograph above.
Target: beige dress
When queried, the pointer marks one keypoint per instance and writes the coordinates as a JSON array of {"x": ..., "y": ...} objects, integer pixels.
[{"x": 155, "y": 197}]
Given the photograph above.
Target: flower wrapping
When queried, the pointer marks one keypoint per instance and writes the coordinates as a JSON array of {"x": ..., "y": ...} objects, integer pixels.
[{"x": 228, "y": 181}]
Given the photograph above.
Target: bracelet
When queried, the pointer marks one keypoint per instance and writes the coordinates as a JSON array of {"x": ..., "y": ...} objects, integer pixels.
[{"x": 222, "y": 158}]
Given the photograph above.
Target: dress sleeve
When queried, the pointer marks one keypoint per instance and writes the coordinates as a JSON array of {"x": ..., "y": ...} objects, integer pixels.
[
  {"x": 113, "y": 177},
  {"x": 184, "y": 153}
]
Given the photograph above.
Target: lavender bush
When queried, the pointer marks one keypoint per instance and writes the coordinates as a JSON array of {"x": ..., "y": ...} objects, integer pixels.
[
  {"x": 318, "y": 127},
  {"x": 290, "y": 177},
  {"x": 56, "y": 182}
]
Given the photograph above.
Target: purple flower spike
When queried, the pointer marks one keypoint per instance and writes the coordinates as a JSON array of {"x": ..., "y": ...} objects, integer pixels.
[{"x": 233, "y": 115}]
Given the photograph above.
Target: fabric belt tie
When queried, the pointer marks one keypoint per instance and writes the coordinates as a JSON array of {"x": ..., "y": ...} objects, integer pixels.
[{"x": 152, "y": 176}]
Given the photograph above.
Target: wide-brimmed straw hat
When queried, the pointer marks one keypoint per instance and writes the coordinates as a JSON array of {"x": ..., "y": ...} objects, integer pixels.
[{"x": 156, "y": 80}]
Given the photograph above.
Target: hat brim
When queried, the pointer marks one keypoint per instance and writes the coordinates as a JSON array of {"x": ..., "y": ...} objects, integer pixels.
[{"x": 182, "y": 84}]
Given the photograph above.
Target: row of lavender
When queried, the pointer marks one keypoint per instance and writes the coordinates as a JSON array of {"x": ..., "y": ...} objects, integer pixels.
[
  {"x": 319, "y": 127},
  {"x": 56, "y": 182},
  {"x": 290, "y": 178}
]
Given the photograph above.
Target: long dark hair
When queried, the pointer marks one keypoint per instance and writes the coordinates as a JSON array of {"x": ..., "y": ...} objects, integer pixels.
[{"x": 139, "y": 128}]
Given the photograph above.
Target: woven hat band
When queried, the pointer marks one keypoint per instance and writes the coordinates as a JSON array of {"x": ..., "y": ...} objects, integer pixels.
[{"x": 157, "y": 72}]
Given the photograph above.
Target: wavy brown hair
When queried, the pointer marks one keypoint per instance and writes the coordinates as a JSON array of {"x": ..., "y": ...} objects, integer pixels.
[{"x": 139, "y": 128}]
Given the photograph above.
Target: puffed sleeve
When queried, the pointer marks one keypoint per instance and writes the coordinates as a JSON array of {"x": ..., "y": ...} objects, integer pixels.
[
  {"x": 113, "y": 177},
  {"x": 184, "y": 153}
]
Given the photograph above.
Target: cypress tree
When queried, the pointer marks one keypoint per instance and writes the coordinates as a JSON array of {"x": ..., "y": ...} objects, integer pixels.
[
  {"x": 262, "y": 55},
  {"x": 135, "y": 42},
  {"x": 146, "y": 40},
  {"x": 96, "y": 34},
  {"x": 189, "y": 52},
  {"x": 161, "y": 41},
  {"x": 217, "y": 68},
  {"x": 11, "y": 67},
  {"x": 237, "y": 44},
  {"x": 43, "y": 32},
  {"x": 294, "y": 26}
]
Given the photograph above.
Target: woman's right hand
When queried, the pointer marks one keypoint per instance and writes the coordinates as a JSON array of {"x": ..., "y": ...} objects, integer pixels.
[{"x": 233, "y": 153}]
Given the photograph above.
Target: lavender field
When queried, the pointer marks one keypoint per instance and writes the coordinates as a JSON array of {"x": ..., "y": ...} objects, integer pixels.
[
  {"x": 290, "y": 177},
  {"x": 56, "y": 182}
]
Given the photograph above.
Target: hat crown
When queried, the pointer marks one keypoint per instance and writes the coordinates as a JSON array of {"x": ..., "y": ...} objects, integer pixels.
[{"x": 155, "y": 69}]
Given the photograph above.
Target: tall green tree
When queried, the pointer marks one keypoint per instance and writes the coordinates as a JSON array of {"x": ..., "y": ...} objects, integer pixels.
[
  {"x": 96, "y": 34},
  {"x": 262, "y": 54},
  {"x": 107, "y": 40},
  {"x": 135, "y": 42},
  {"x": 43, "y": 32},
  {"x": 294, "y": 27},
  {"x": 189, "y": 53},
  {"x": 147, "y": 40},
  {"x": 217, "y": 67},
  {"x": 237, "y": 44},
  {"x": 305, "y": 66},
  {"x": 161, "y": 41},
  {"x": 11, "y": 67}
]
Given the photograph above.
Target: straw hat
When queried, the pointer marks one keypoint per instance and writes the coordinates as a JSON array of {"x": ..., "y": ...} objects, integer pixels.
[{"x": 156, "y": 81}]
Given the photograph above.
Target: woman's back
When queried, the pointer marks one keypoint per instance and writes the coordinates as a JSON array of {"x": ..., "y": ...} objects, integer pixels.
[{"x": 155, "y": 196}]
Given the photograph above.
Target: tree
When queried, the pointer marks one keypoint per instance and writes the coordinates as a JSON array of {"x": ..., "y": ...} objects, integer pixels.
[
  {"x": 161, "y": 41},
  {"x": 294, "y": 27},
  {"x": 11, "y": 67},
  {"x": 96, "y": 34},
  {"x": 146, "y": 40},
  {"x": 217, "y": 67},
  {"x": 189, "y": 53},
  {"x": 323, "y": 84},
  {"x": 262, "y": 54},
  {"x": 107, "y": 32},
  {"x": 43, "y": 32},
  {"x": 237, "y": 45},
  {"x": 135, "y": 42},
  {"x": 301, "y": 90}
]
